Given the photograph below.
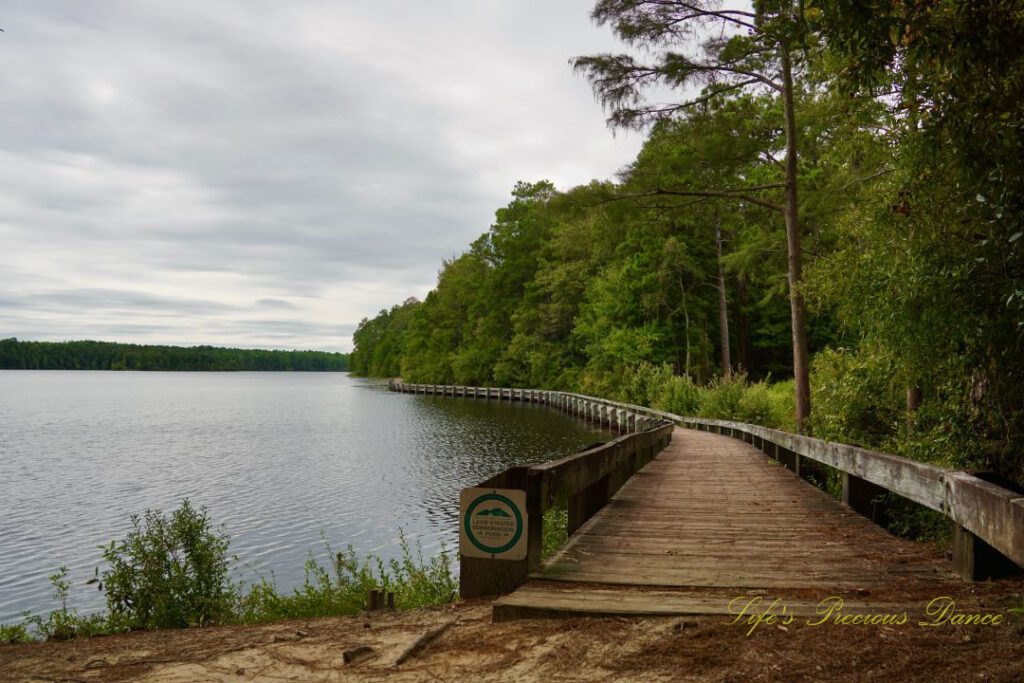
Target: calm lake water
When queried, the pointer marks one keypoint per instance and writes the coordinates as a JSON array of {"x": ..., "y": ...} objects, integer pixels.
[{"x": 283, "y": 460}]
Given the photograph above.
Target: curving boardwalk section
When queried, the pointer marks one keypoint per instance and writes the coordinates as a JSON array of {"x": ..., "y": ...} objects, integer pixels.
[{"x": 712, "y": 512}]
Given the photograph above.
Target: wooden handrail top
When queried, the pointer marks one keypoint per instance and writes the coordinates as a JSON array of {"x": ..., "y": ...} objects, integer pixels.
[{"x": 567, "y": 476}]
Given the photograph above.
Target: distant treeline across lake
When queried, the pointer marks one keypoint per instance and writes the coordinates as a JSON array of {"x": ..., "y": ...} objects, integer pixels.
[{"x": 97, "y": 355}]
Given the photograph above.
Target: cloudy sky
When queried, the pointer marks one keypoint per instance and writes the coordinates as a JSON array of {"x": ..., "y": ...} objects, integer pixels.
[{"x": 265, "y": 174}]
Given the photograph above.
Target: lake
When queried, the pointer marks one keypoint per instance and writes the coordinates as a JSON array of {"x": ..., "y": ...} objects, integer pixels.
[{"x": 284, "y": 461}]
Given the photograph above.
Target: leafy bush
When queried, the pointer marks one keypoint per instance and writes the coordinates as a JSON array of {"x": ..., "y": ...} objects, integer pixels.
[
  {"x": 417, "y": 582},
  {"x": 721, "y": 398},
  {"x": 61, "y": 624},
  {"x": 852, "y": 397},
  {"x": 169, "y": 572},
  {"x": 645, "y": 383},
  {"x": 678, "y": 395},
  {"x": 319, "y": 595}
]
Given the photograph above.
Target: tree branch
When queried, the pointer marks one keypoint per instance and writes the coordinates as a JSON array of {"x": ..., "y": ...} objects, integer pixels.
[
  {"x": 872, "y": 176},
  {"x": 727, "y": 194}
]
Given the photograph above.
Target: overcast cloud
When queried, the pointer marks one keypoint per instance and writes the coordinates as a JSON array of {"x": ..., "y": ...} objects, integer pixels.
[{"x": 265, "y": 174}]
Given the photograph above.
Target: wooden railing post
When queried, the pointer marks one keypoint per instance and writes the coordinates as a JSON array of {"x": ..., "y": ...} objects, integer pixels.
[
  {"x": 976, "y": 560},
  {"x": 866, "y": 498}
]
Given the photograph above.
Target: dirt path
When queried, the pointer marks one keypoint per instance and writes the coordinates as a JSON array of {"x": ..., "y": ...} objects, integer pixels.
[{"x": 474, "y": 649}]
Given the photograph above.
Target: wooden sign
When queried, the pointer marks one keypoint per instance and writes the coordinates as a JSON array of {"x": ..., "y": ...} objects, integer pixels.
[{"x": 492, "y": 523}]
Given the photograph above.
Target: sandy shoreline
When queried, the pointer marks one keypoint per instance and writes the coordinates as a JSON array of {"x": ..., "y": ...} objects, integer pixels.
[{"x": 585, "y": 649}]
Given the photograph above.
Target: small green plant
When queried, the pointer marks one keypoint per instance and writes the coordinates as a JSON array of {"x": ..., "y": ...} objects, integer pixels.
[
  {"x": 1018, "y": 611},
  {"x": 62, "y": 623},
  {"x": 14, "y": 633},
  {"x": 417, "y": 582},
  {"x": 169, "y": 572},
  {"x": 556, "y": 524},
  {"x": 342, "y": 586}
]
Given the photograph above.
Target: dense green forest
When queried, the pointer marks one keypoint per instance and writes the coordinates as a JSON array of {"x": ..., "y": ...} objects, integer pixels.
[
  {"x": 826, "y": 237},
  {"x": 95, "y": 355}
]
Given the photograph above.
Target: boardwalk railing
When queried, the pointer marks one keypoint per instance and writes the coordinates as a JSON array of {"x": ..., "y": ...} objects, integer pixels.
[
  {"x": 582, "y": 482},
  {"x": 989, "y": 519}
]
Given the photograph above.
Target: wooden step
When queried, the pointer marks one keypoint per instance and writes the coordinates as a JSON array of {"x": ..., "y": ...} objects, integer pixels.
[{"x": 529, "y": 602}]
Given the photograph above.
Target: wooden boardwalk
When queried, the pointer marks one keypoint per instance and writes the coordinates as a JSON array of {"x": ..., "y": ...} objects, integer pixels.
[{"x": 712, "y": 516}]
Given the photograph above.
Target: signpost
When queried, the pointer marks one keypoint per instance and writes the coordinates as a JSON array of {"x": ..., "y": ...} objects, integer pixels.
[{"x": 493, "y": 524}]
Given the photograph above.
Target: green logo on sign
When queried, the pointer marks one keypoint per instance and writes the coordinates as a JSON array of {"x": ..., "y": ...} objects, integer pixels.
[{"x": 493, "y": 529}]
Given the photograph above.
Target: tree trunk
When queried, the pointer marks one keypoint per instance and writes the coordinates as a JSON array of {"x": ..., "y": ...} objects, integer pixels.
[
  {"x": 723, "y": 312},
  {"x": 743, "y": 327},
  {"x": 913, "y": 399},
  {"x": 798, "y": 312},
  {"x": 686, "y": 317}
]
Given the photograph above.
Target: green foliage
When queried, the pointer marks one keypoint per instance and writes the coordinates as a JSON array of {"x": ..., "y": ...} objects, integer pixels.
[
  {"x": 342, "y": 587},
  {"x": 555, "y": 533},
  {"x": 14, "y": 633},
  {"x": 678, "y": 395},
  {"x": 911, "y": 207},
  {"x": 93, "y": 355},
  {"x": 721, "y": 399},
  {"x": 169, "y": 572},
  {"x": 910, "y": 520},
  {"x": 853, "y": 399},
  {"x": 62, "y": 623}
]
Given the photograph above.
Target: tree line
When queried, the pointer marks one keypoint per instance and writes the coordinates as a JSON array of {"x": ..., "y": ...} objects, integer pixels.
[
  {"x": 97, "y": 355},
  {"x": 839, "y": 207}
]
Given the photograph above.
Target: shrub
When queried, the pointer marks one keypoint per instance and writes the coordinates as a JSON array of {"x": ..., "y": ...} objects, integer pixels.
[
  {"x": 643, "y": 384},
  {"x": 169, "y": 572},
  {"x": 172, "y": 572},
  {"x": 755, "y": 406},
  {"x": 678, "y": 395},
  {"x": 853, "y": 398},
  {"x": 721, "y": 398}
]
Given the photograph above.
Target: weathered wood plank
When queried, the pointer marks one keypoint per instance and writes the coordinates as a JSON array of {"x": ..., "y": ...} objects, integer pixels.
[
  {"x": 713, "y": 511},
  {"x": 533, "y": 603}
]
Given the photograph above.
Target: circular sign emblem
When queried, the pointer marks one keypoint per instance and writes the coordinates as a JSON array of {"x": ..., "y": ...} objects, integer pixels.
[{"x": 493, "y": 523}]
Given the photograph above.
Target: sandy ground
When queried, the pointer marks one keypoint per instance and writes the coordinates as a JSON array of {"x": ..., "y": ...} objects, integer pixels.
[{"x": 580, "y": 649}]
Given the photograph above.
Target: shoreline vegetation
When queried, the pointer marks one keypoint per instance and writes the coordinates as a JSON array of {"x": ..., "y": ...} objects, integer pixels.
[
  {"x": 98, "y": 355},
  {"x": 173, "y": 571}
]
